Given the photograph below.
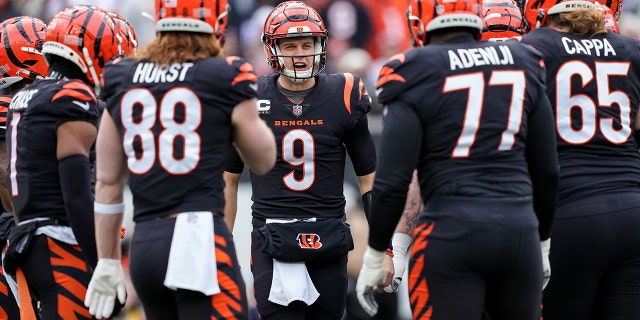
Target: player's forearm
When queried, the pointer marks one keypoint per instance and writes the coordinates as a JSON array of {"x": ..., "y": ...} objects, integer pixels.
[
  {"x": 108, "y": 228},
  {"x": 412, "y": 208},
  {"x": 231, "y": 181},
  {"x": 109, "y": 212}
]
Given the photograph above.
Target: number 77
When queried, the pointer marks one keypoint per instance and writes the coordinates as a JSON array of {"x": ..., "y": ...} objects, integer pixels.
[{"x": 474, "y": 83}]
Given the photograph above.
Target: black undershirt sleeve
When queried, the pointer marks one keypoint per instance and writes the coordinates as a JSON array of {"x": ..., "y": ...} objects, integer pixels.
[
  {"x": 75, "y": 182},
  {"x": 361, "y": 148},
  {"x": 398, "y": 157},
  {"x": 636, "y": 136},
  {"x": 542, "y": 158}
]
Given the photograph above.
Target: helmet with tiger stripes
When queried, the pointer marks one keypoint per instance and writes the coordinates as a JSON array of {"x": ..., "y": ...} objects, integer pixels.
[
  {"x": 202, "y": 16},
  {"x": 85, "y": 35},
  {"x": 127, "y": 38},
  {"x": 424, "y": 16},
  {"x": 293, "y": 19},
  {"x": 21, "y": 40},
  {"x": 502, "y": 20}
]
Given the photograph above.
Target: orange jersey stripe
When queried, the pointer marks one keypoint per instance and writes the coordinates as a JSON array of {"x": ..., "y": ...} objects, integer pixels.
[
  {"x": 5, "y": 99},
  {"x": 244, "y": 76},
  {"x": 72, "y": 93},
  {"x": 348, "y": 86},
  {"x": 386, "y": 75},
  {"x": 76, "y": 90},
  {"x": 246, "y": 71}
]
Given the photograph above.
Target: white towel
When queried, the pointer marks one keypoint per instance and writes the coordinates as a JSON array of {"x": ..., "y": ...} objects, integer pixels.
[
  {"x": 291, "y": 282},
  {"x": 192, "y": 259}
]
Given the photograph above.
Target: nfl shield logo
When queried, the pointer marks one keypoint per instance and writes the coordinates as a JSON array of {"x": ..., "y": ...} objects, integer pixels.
[{"x": 297, "y": 110}]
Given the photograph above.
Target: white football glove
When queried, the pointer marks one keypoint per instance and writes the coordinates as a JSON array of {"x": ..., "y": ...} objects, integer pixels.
[
  {"x": 545, "y": 248},
  {"x": 371, "y": 274},
  {"x": 106, "y": 283},
  {"x": 400, "y": 242}
]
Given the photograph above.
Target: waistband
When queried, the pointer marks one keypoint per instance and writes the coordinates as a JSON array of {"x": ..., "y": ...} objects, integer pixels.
[
  {"x": 42, "y": 222},
  {"x": 175, "y": 215},
  {"x": 598, "y": 204},
  {"x": 260, "y": 222},
  {"x": 500, "y": 210}
]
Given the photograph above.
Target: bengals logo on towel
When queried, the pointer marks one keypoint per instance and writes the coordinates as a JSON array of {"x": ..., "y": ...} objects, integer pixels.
[{"x": 309, "y": 241}]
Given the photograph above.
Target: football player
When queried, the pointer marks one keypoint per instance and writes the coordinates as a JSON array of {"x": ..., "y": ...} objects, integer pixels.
[
  {"x": 21, "y": 41},
  {"x": 52, "y": 124},
  {"x": 593, "y": 83},
  {"x": 173, "y": 112},
  {"x": 610, "y": 21},
  {"x": 536, "y": 11},
  {"x": 502, "y": 20},
  {"x": 317, "y": 119},
  {"x": 473, "y": 119}
]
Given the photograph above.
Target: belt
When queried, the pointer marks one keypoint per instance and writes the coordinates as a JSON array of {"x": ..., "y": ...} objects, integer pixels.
[
  {"x": 51, "y": 222},
  {"x": 175, "y": 215},
  {"x": 260, "y": 222}
]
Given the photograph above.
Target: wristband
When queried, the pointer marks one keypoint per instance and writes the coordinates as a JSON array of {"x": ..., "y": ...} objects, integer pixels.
[
  {"x": 108, "y": 208},
  {"x": 389, "y": 252},
  {"x": 401, "y": 242}
]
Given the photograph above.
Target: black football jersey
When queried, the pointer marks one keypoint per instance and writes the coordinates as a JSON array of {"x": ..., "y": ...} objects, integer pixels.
[
  {"x": 473, "y": 100},
  {"x": 594, "y": 87},
  {"x": 33, "y": 119},
  {"x": 312, "y": 140},
  {"x": 175, "y": 126},
  {"x": 4, "y": 107}
]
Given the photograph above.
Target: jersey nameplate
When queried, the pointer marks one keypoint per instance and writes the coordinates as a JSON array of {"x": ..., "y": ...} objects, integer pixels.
[
  {"x": 148, "y": 72},
  {"x": 592, "y": 47},
  {"x": 21, "y": 100}
]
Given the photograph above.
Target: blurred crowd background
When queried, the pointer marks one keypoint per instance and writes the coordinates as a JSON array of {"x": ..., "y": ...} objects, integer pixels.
[{"x": 363, "y": 34}]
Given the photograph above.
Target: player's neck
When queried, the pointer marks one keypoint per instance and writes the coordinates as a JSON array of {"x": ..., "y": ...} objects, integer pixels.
[
  {"x": 63, "y": 69},
  {"x": 557, "y": 27},
  {"x": 445, "y": 36},
  {"x": 289, "y": 84}
]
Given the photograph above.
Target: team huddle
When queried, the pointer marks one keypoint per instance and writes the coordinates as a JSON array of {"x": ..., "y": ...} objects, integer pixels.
[
  {"x": 508, "y": 124},
  {"x": 517, "y": 140}
]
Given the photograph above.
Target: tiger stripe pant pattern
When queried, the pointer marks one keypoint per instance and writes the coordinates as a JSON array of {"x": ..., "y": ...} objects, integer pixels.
[
  {"x": 57, "y": 275},
  {"x": 150, "y": 246}
]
